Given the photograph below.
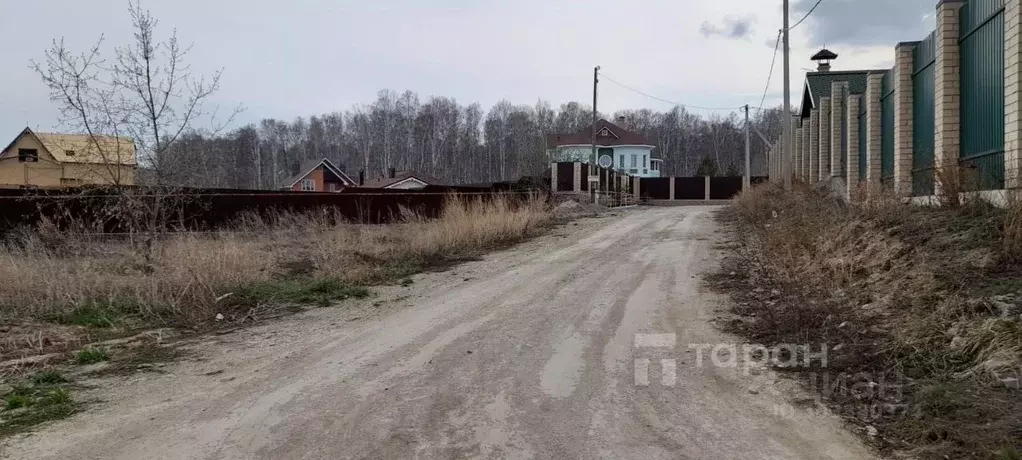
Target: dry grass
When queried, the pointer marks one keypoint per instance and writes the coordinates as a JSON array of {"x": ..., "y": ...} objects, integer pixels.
[
  {"x": 187, "y": 279},
  {"x": 922, "y": 296}
]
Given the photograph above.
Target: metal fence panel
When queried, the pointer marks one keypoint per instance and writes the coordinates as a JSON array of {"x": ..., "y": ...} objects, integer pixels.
[
  {"x": 982, "y": 92},
  {"x": 887, "y": 128},
  {"x": 923, "y": 116}
]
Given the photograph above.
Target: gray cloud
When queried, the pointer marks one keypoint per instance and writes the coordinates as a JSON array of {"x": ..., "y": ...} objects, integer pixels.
[
  {"x": 731, "y": 28},
  {"x": 864, "y": 22}
]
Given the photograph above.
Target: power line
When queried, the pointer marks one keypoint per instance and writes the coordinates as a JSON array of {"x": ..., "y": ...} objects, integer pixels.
[
  {"x": 818, "y": 2},
  {"x": 771, "y": 74},
  {"x": 662, "y": 99}
]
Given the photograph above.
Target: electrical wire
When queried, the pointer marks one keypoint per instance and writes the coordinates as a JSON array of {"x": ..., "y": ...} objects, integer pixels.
[
  {"x": 662, "y": 99},
  {"x": 818, "y": 2},
  {"x": 770, "y": 75}
]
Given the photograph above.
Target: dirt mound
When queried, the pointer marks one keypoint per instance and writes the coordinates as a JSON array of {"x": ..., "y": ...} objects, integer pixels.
[{"x": 572, "y": 208}]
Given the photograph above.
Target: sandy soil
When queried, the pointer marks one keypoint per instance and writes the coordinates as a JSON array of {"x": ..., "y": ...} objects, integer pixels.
[{"x": 529, "y": 353}]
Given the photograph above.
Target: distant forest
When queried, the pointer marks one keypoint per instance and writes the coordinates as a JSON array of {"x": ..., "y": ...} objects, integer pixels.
[{"x": 460, "y": 144}]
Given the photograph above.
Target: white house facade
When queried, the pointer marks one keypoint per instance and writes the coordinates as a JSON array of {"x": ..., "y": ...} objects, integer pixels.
[{"x": 616, "y": 148}]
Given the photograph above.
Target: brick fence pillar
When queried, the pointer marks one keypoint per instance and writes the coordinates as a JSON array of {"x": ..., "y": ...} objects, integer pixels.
[
  {"x": 874, "y": 126},
  {"x": 805, "y": 150},
  {"x": 577, "y": 172},
  {"x": 635, "y": 188},
  {"x": 852, "y": 136},
  {"x": 838, "y": 91},
  {"x": 825, "y": 128},
  {"x": 903, "y": 118},
  {"x": 1012, "y": 94},
  {"x": 814, "y": 146},
  {"x": 670, "y": 183},
  {"x": 706, "y": 187},
  {"x": 799, "y": 155},
  {"x": 947, "y": 81},
  {"x": 553, "y": 177}
]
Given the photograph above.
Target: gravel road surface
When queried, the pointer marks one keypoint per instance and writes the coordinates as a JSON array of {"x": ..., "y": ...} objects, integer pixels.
[{"x": 539, "y": 351}]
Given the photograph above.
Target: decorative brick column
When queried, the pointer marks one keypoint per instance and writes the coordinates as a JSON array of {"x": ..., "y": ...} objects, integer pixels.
[
  {"x": 1012, "y": 94},
  {"x": 635, "y": 188},
  {"x": 799, "y": 156},
  {"x": 903, "y": 118},
  {"x": 805, "y": 150},
  {"x": 814, "y": 146},
  {"x": 874, "y": 126},
  {"x": 706, "y": 187},
  {"x": 577, "y": 172},
  {"x": 825, "y": 128},
  {"x": 670, "y": 183},
  {"x": 838, "y": 96},
  {"x": 852, "y": 135},
  {"x": 947, "y": 88},
  {"x": 553, "y": 177}
]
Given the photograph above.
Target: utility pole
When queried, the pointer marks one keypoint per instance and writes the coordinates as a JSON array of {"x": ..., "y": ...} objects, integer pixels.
[
  {"x": 786, "y": 120},
  {"x": 592, "y": 136},
  {"x": 747, "y": 182}
]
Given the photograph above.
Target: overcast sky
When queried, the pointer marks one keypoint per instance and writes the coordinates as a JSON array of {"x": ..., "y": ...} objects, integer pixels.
[{"x": 305, "y": 57}]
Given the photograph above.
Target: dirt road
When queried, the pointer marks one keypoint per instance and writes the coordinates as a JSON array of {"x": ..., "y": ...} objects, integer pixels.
[{"x": 530, "y": 353}]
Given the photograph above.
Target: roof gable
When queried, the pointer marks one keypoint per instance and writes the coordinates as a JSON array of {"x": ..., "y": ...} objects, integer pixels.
[
  {"x": 82, "y": 148},
  {"x": 817, "y": 85},
  {"x": 308, "y": 167}
]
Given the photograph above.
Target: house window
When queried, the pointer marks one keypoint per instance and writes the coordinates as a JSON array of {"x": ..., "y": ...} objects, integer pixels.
[
  {"x": 644, "y": 161},
  {"x": 69, "y": 153},
  {"x": 308, "y": 185},
  {"x": 635, "y": 160},
  {"x": 656, "y": 166},
  {"x": 621, "y": 161},
  {"x": 332, "y": 187},
  {"x": 28, "y": 155}
]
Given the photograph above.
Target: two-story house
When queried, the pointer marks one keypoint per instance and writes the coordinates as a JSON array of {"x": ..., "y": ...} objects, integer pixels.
[
  {"x": 55, "y": 160},
  {"x": 616, "y": 148}
]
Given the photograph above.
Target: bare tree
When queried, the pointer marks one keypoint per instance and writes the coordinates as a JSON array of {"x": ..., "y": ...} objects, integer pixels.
[{"x": 147, "y": 93}]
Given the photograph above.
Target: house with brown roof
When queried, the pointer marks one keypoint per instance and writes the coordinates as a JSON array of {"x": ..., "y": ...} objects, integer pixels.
[
  {"x": 405, "y": 180},
  {"x": 318, "y": 176},
  {"x": 617, "y": 148},
  {"x": 55, "y": 160}
]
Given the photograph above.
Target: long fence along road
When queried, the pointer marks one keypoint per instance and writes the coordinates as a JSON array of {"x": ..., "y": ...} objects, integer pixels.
[{"x": 587, "y": 343}]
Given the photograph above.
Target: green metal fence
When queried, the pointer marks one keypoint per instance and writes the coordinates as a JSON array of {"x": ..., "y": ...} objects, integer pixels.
[
  {"x": 863, "y": 161},
  {"x": 887, "y": 129},
  {"x": 982, "y": 69},
  {"x": 923, "y": 114}
]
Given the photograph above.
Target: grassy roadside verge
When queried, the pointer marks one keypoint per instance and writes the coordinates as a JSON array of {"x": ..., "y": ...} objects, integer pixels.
[
  {"x": 919, "y": 309},
  {"x": 64, "y": 290}
]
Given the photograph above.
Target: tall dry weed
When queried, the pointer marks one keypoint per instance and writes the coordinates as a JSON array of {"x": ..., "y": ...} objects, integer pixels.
[{"x": 184, "y": 278}]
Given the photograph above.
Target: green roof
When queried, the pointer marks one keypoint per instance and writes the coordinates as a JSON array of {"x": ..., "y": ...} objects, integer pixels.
[{"x": 818, "y": 85}]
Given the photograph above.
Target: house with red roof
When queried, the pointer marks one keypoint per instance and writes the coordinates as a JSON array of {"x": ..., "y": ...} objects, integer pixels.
[{"x": 617, "y": 148}]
